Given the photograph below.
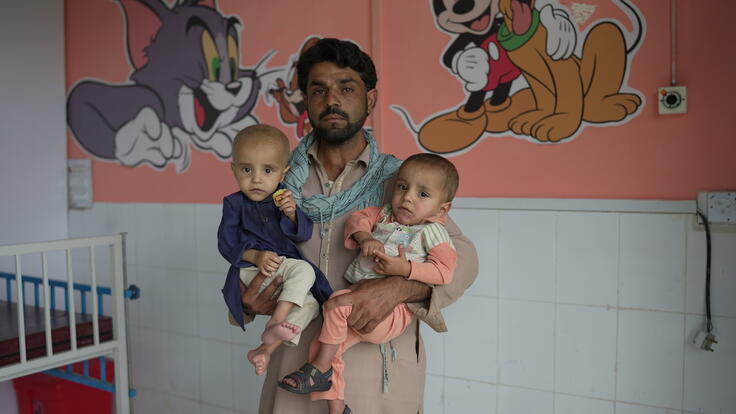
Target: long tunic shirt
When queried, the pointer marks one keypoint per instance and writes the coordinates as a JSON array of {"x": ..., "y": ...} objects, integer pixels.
[
  {"x": 364, "y": 374},
  {"x": 260, "y": 225}
]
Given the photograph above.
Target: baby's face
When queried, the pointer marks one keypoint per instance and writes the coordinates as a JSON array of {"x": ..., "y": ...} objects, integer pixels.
[
  {"x": 419, "y": 194},
  {"x": 259, "y": 166}
]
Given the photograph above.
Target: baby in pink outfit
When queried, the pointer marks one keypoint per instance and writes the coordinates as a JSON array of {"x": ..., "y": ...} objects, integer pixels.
[{"x": 404, "y": 238}]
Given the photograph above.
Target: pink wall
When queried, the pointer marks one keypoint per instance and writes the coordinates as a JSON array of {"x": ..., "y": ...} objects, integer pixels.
[{"x": 647, "y": 156}]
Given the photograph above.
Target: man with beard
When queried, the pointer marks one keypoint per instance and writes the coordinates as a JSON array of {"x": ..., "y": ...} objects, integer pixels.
[{"x": 335, "y": 170}]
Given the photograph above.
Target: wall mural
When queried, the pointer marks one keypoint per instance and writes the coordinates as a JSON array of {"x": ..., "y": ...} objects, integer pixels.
[
  {"x": 292, "y": 108},
  {"x": 187, "y": 89},
  {"x": 529, "y": 72}
]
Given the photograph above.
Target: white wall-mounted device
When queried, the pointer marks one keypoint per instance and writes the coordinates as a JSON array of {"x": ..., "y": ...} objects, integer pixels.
[
  {"x": 80, "y": 183},
  {"x": 718, "y": 206},
  {"x": 672, "y": 100}
]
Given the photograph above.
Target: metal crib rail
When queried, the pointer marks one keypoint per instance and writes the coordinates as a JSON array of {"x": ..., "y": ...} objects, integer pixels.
[{"x": 115, "y": 348}]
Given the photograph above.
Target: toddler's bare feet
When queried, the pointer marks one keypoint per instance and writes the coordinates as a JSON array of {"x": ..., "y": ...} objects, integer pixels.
[
  {"x": 259, "y": 357},
  {"x": 279, "y": 331}
]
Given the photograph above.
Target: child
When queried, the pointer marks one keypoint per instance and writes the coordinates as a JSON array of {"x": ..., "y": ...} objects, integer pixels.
[
  {"x": 258, "y": 232},
  {"x": 404, "y": 238}
]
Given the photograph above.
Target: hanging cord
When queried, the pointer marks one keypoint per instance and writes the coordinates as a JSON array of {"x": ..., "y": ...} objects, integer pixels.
[
  {"x": 709, "y": 322},
  {"x": 673, "y": 40}
]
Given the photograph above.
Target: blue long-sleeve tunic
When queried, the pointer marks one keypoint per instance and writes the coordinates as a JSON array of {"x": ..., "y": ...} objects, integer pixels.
[{"x": 260, "y": 225}]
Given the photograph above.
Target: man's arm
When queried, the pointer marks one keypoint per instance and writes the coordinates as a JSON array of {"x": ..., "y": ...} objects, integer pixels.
[
  {"x": 444, "y": 295},
  {"x": 374, "y": 299}
]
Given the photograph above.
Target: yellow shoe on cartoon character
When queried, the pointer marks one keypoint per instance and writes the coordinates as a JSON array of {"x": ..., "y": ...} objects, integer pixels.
[
  {"x": 459, "y": 129},
  {"x": 453, "y": 131}
]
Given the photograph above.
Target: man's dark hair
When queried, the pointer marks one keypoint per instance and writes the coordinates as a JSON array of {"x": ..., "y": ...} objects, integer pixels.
[
  {"x": 344, "y": 54},
  {"x": 445, "y": 166}
]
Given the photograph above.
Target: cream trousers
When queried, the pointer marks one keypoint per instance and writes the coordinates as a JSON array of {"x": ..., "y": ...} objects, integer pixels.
[{"x": 298, "y": 277}]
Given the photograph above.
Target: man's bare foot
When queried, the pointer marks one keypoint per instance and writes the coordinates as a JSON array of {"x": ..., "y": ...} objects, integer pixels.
[
  {"x": 259, "y": 357},
  {"x": 279, "y": 331}
]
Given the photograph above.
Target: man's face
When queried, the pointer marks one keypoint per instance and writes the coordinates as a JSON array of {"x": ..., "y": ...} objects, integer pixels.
[{"x": 337, "y": 102}]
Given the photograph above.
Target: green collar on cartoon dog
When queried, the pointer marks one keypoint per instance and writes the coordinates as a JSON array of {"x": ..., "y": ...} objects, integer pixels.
[{"x": 511, "y": 41}]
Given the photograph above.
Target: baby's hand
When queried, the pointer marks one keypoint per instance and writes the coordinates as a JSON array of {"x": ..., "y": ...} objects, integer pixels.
[
  {"x": 369, "y": 247},
  {"x": 393, "y": 265},
  {"x": 285, "y": 202},
  {"x": 267, "y": 262}
]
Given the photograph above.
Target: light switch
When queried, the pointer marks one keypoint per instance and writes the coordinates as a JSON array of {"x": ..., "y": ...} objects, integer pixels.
[{"x": 80, "y": 183}]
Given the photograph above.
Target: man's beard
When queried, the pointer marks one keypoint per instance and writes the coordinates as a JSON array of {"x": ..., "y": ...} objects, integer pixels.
[{"x": 334, "y": 135}]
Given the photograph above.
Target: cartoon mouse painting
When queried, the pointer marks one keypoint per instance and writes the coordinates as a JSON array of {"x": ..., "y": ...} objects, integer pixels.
[
  {"x": 290, "y": 101},
  {"x": 186, "y": 88}
]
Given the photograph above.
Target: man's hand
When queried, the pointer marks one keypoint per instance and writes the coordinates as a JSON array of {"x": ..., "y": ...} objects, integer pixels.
[
  {"x": 287, "y": 205},
  {"x": 259, "y": 303},
  {"x": 392, "y": 265},
  {"x": 374, "y": 299}
]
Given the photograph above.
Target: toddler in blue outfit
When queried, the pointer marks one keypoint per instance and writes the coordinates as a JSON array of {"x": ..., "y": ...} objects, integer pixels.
[{"x": 260, "y": 227}]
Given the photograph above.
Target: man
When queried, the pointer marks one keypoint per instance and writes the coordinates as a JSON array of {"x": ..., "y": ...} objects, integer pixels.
[{"x": 335, "y": 170}]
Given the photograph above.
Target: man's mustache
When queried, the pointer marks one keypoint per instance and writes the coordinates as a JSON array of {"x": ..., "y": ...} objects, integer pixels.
[{"x": 333, "y": 110}]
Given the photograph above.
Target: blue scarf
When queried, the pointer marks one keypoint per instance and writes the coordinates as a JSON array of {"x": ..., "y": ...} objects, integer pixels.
[{"x": 366, "y": 192}]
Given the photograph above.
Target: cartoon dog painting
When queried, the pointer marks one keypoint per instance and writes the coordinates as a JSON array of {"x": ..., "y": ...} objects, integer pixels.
[
  {"x": 187, "y": 88},
  {"x": 505, "y": 42},
  {"x": 567, "y": 91}
]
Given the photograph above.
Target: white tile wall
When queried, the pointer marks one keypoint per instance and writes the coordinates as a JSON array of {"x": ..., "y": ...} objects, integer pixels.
[
  {"x": 571, "y": 313},
  {"x": 526, "y": 344},
  {"x": 623, "y": 408},
  {"x": 527, "y": 255},
  {"x": 710, "y": 377},
  {"x": 169, "y": 239},
  {"x": 587, "y": 258},
  {"x": 481, "y": 226},
  {"x": 585, "y": 351},
  {"x": 650, "y": 358},
  {"x": 211, "y": 313},
  {"x": 217, "y": 364},
  {"x": 434, "y": 394},
  {"x": 723, "y": 272},
  {"x": 434, "y": 345},
  {"x": 206, "y": 222},
  {"x": 513, "y": 400},
  {"x": 246, "y": 387},
  {"x": 569, "y": 404},
  {"x": 472, "y": 334},
  {"x": 652, "y": 261},
  {"x": 463, "y": 396}
]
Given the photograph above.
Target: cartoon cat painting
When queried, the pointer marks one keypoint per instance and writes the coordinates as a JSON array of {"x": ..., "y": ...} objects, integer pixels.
[{"x": 186, "y": 89}]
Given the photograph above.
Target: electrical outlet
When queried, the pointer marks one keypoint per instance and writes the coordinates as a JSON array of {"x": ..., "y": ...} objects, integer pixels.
[
  {"x": 721, "y": 207},
  {"x": 672, "y": 100}
]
